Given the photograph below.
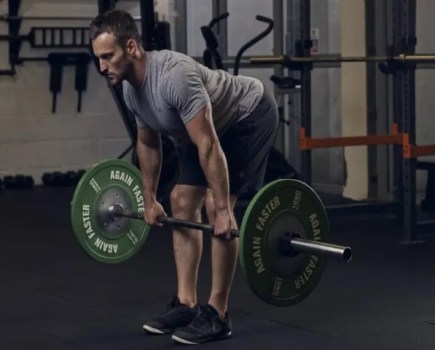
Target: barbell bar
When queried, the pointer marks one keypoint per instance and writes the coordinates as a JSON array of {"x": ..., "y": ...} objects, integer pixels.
[
  {"x": 291, "y": 242},
  {"x": 283, "y": 235},
  {"x": 11, "y": 18},
  {"x": 288, "y": 60}
]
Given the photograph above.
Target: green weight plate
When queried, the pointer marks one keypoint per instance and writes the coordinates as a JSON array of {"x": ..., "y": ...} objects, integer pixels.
[
  {"x": 106, "y": 239},
  {"x": 284, "y": 206}
]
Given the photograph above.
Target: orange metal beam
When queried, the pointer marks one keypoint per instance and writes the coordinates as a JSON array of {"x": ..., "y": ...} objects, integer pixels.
[
  {"x": 409, "y": 150},
  {"x": 414, "y": 151},
  {"x": 307, "y": 143}
]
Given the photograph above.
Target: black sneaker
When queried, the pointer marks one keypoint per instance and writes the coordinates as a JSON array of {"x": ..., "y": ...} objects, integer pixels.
[
  {"x": 207, "y": 326},
  {"x": 176, "y": 315}
]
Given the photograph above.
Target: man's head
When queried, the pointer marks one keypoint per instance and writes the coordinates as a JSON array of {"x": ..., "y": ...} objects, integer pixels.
[{"x": 116, "y": 43}]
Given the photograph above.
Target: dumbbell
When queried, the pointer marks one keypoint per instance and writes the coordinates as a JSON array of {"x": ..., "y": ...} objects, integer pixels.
[
  {"x": 18, "y": 182},
  {"x": 60, "y": 179},
  {"x": 54, "y": 179}
]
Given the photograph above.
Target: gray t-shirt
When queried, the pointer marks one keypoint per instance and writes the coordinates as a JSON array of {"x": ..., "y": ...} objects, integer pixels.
[{"x": 176, "y": 88}]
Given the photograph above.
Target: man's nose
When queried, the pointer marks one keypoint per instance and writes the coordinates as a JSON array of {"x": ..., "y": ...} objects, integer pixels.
[{"x": 103, "y": 66}]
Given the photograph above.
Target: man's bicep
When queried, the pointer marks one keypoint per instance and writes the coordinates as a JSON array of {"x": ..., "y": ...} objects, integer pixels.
[
  {"x": 200, "y": 128},
  {"x": 148, "y": 137}
]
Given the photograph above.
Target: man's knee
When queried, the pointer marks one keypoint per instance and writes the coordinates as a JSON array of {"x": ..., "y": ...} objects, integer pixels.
[{"x": 186, "y": 201}]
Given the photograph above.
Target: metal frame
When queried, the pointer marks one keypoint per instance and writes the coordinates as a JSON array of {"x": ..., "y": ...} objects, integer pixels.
[
  {"x": 303, "y": 45},
  {"x": 221, "y": 28},
  {"x": 395, "y": 24},
  {"x": 294, "y": 101},
  {"x": 278, "y": 49},
  {"x": 385, "y": 161},
  {"x": 303, "y": 48},
  {"x": 148, "y": 22},
  {"x": 404, "y": 41},
  {"x": 371, "y": 92}
]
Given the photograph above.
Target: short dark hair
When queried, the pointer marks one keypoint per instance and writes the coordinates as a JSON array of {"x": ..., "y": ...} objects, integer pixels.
[{"x": 118, "y": 22}]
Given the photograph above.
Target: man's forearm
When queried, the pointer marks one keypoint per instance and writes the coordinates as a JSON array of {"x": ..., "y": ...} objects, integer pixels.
[
  {"x": 214, "y": 165},
  {"x": 150, "y": 160}
]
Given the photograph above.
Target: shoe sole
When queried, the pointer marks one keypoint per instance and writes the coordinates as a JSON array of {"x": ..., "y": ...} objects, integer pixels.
[
  {"x": 183, "y": 341},
  {"x": 153, "y": 330},
  {"x": 188, "y": 342}
]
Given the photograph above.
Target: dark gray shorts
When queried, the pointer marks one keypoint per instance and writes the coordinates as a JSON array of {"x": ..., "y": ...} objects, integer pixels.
[{"x": 246, "y": 145}]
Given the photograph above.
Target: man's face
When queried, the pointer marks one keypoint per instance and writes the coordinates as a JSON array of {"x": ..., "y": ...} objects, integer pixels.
[{"x": 113, "y": 59}]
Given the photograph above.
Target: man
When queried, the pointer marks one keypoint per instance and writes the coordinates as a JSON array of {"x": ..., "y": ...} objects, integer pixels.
[{"x": 226, "y": 126}]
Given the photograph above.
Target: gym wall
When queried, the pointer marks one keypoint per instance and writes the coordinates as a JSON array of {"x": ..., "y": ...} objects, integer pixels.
[
  {"x": 241, "y": 27},
  {"x": 425, "y": 80},
  {"x": 33, "y": 140},
  {"x": 326, "y": 109}
]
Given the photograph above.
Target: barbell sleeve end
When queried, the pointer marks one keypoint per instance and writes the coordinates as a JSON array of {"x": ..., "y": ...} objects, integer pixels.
[
  {"x": 347, "y": 254},
  {"x": 320, "y": 248}
]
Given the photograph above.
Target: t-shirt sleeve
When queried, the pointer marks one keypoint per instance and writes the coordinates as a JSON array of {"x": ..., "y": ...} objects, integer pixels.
[
  {"x": 127, "y": 99},
  {"x": 184, "y": 91}
]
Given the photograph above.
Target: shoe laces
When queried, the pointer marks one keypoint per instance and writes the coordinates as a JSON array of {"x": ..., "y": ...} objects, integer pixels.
[
  {"x": 174, "y": 303},
  {"x": 205, "y": 316}
]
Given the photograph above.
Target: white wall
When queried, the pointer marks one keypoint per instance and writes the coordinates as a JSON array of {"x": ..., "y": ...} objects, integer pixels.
[
  {"x": 425, "y": 78},
  {"x": 32, "y": 139},
  {"x": 327, "y": 163},
  {"x": 242, "y": 27}
]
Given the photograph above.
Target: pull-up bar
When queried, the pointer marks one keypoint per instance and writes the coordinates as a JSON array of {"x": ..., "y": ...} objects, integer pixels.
[
  {"x": 8, "y": 18},
  {"x": 287, "y": 60}
]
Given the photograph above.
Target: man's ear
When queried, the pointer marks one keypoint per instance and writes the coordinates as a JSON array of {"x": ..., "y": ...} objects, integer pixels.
[{"x": 131, "y": 47}]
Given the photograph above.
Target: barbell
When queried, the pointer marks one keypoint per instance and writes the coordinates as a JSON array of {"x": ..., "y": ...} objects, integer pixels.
[
  {"x": 292, "y": 60},
  {"x": 283, "y": 234},
  {"x": 10, "y": 18}
]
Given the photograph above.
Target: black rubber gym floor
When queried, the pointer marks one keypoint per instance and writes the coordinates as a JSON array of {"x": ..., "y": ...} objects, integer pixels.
[{"x": 52, "y": 296}]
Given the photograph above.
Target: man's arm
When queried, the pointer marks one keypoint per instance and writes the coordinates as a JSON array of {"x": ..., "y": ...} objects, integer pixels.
[
  {"x": 149, "y": 152},
  {"x": 211, "y": 156}
]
